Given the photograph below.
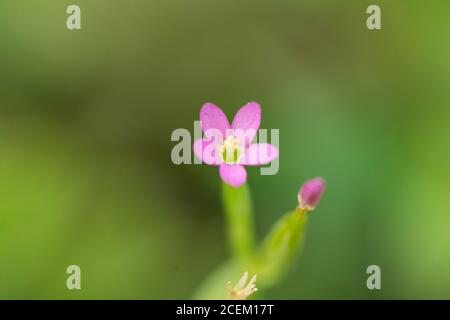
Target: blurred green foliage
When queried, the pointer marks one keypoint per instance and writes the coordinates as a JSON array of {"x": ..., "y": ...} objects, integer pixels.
[{"x": 86, "y": 118}]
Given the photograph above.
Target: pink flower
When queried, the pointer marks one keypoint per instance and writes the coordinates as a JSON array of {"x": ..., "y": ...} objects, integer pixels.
[
  {"x": 229, "y": 147},
  {"x": 310, "y": 193}
]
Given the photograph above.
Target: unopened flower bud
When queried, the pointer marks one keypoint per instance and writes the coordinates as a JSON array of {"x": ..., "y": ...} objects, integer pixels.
[{"x": 310, "y": 193}]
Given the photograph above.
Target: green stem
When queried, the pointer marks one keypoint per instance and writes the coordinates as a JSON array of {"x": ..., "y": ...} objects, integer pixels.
[
  {"x": 239, "y": 217},
  {"x": 281, "y": 245}
]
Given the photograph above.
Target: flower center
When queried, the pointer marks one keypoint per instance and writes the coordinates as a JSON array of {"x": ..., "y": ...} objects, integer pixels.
[{"x": 230, "y": 150}]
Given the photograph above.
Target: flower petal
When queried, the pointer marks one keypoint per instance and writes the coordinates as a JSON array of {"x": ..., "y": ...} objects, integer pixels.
[
  {"x": 259, "y": 153},
  {"x": 248, "y": 118},
  {"x": 212, "y": 117},
  {"x": 233, "y": 174},
  {"x": 204, "y": 149}
]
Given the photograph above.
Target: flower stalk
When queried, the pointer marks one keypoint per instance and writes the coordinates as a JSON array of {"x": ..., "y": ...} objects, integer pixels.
[{"x": 239, "y": 216}]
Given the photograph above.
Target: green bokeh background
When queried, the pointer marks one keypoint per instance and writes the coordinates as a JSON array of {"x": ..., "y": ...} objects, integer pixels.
[{"x": 86, "y": 118}]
